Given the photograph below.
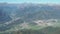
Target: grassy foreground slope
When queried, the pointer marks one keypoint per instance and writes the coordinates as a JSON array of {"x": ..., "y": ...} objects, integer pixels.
[{"x": 35, "y": 29}]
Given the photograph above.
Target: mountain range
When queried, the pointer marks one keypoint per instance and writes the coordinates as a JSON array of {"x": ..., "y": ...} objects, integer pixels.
[{"x": 12, "y": 15}]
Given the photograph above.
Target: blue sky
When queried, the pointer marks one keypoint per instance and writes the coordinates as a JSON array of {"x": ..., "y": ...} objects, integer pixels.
[{"x": 32, "y": 1}]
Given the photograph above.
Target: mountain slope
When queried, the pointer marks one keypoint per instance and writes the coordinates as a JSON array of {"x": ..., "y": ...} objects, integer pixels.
[{"x": 13, "y": 16}]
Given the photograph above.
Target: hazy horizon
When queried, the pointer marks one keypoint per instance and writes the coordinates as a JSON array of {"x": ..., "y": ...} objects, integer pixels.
[{"x": 32, "y": 1}]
